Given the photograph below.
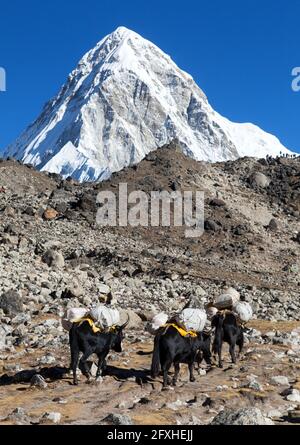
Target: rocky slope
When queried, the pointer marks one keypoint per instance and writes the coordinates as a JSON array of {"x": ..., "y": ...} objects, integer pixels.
[
  {"x": 123, "y": 100},
  {"x": 53, "y": 256}
]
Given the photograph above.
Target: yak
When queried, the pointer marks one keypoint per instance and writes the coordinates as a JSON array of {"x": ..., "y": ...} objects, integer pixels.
[
  {"x": 170, "y": 347},
  {"x": 83, "y": 339},
  {"x": 227, "y": 329}
]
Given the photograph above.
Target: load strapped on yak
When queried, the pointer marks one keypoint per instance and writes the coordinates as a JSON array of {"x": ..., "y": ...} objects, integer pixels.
[
  {"x": 104, "y": 317},
  {"x": 100, "y": 317},
  {"x": 188, "y": 322},
  {"x": 229, "y": 300}
]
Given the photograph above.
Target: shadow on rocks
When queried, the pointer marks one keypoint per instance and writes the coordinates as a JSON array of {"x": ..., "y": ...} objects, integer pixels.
[{"x": 53, "y": 374}]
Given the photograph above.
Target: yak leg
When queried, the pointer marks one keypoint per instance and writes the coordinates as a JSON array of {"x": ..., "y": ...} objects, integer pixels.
[
  {"x": 177, "y": 370},
  {"x": 101, "y": 365},
  {"x": 240, "y": 344},
  {"x": 85, "y": 367},
  {"x": 232, "y": 349},
  {"x": 191, "y": 369},
  {"x": 165, "y": 369},
  {"x": 219, "y": 352},
  {"x": 74, "y": 357}
]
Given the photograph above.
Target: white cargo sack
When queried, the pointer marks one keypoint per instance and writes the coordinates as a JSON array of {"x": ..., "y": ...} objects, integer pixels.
[
  {"x": 211, "y": 312},
  {"x": 71, "y": 316},
  {"x": 244, "y": 311},
  {"x": 193, "y": 319},
  {"x": 227, "y": 300},
  {"x": 159, "y": 321},
  {"x": 104, "y": 317}
]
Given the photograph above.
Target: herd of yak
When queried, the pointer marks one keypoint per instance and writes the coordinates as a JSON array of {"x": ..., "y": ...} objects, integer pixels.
[{"x": 170, "y": 347}]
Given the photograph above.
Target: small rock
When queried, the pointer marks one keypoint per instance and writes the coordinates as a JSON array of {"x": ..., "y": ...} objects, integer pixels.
[
  {"x": 54, "y": 259},
  {"x": 50, "y": 214},
  {"x": 118, "y": 419},
  {"x": 11, "y": 303},
  {"x": 38, "y": 381},
  {"x": 244, "y": 416},
  {"x": 280, "y": 380},
  {"x": 52, "y": 417},
  {"x": 103, "y": 289},
  {"x": 294, "y": 396}
]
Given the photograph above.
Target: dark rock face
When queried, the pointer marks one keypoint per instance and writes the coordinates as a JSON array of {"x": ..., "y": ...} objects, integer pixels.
[
  {"x": 216, "y": 202},
  {"x": 11, "y": 303},
  {"x": 273, "y": 225},
  {"x": 211, "y": 226}
]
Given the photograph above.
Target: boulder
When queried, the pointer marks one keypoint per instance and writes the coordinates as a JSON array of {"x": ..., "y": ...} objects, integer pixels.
[
  {"x": 54, "y": 259},
  {"x": 280, "y": 380},
  {"x": 211, "y": 226},
  {"x": 135, "y": 320},
  {"x": 259, "y": 180},
  {"x": 11, "y": 303},
  {"x": 216, "y": 202},
  {"x": 118, "y": 419},
  {"x": 273, "y": 225},
  {"x": 51, "y": 418},
  {"x": 244, "y": 416},
  {"x": 38, "y": 381},
  {"x": 50, "y": 214}
]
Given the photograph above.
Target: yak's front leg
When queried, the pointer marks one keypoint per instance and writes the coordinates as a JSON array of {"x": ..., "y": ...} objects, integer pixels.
[{"x": 101, "y": 366}]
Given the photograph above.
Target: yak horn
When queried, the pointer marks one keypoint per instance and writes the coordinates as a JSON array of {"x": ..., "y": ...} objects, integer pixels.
[{"x": 125, "y": 324}]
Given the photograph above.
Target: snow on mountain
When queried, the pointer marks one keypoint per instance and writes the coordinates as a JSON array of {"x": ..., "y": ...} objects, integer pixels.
[{"x": 124, "y": 99}]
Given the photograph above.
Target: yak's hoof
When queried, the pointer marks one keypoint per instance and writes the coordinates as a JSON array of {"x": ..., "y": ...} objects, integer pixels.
[
  {"x": 76, "y": 383},
  {"x": 192, "y": 380},
  {"x": 98, "y": 381}
]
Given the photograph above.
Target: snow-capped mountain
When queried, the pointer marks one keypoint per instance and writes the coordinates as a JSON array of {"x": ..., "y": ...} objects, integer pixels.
[{"x": 125, "y": 99}]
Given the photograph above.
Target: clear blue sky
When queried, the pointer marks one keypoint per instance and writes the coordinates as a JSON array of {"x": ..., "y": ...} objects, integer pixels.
[{"x": 241, "y": 53}]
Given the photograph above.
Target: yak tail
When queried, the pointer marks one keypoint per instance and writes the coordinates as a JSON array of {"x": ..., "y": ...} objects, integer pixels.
[{"x": 155, "y": 367}]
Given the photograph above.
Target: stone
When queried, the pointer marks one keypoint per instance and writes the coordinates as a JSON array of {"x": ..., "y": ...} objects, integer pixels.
[
  {"x": 294, "y": 416},
  {"x": 50, "y": 214},
  {"x": 118, "y": 419},
  {"x": 52, "y": 417},
  {"x": 135, "y": 320},
  {"x": 260, "y": 180},
  {"x": 38, "y": 381},
  {"x": 103, "y": 289},
  {"x": 273, "y": 225},
  {"x": 280, "y": 380},
  {"x": 47, "y": 360},
  {"x": 294, "y": 396},
  {"x": 244, "y": 416},
  {"x": 11, "y": 303},
  {"x": 217, "y": 202},
  {"x": 19, "y": 414},
  {"x": 211, "y": 226},
  {"x": 54, "y": 259}
]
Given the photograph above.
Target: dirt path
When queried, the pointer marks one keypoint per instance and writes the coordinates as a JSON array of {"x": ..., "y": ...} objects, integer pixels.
[{"x": 128, "y": 389}]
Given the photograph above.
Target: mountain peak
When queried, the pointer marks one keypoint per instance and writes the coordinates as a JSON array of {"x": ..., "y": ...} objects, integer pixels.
[{"x": 125, "y": 99}]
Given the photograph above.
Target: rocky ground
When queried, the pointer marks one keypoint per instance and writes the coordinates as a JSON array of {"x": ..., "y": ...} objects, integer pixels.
[{"x": 53, "y": 256}]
